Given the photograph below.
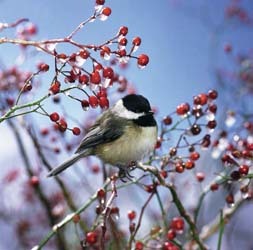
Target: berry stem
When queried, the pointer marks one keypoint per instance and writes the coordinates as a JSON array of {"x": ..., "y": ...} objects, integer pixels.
[{"x": 132, "y": 237}]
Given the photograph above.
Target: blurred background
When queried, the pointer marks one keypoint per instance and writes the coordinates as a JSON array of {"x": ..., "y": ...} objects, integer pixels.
[{"x": 192, "y": 45}]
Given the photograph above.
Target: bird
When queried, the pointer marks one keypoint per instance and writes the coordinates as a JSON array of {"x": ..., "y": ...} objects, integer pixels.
[{"x": 123, "y": 134}]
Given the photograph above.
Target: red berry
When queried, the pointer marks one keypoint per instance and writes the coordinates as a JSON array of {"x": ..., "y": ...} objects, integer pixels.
[
  {"x": 132, "y": 227},
  {"x": 102, "y": 93},
  {"x": 206, "y": 141},
  {"x": 95, "y": 168},
  {"x": 122, "y": 52},
  {"x": 101, "y": 193},
  {"x": 72, "y": 57},
  {"x": 83, "y": 79},
  {"x": 235, "y": 175},
  {"x": 91, "y": 238},
  {"x": 173, "y": 152},
  {"x": 43, "y": 67},
  {"x": 123, "y": 41},
  {"x": 244, "y": 169},
  {"x": 200, "y": 176},
  {"x": 143, "y": 60},
  {"x": 106, "y": 11},
  {"x": 137, "y": 41},
  {"x": 227, "y": 48},
  {"x": 44, "y": 131},
  {"x": 100, "y": 2},
  {"x": 114, "y": 210},
  {"x": 98, "y": 66},
  {"x": 212, "y": 108},
  {"x": 34, "y": 180},
  {"x": 103, "y": 103},
  {"x": 212, "y": 94},
  {"x": 177, "y": 224},
  {"x": 105, "y": 52},
  {"x": 214, "y": 187},
  {"x": 84, "y": 54},
  {"x": 76, "y": 131},
  {"x": 28, "y": 86},
  {"x": 108, "y": 72},
  {"x": 95, "y": 77},
  {"x": 164, "y": 174},
  {"x": 62, "y": 56},
  {"x": 139, "y": 245},
  {"x": 211, "y": 124},
  {"x": 167, "y": 120},
  {"x": 194, "y": 156},
  {"x": 62, "y": 125},
  {"x": 179, "y": 168},
  {"x": 169, "y": 246},
  {"x": 123, "y": 30},
  {"x": 244, "y": 189},
  {"x": 189, "y": 164},
  {"x": 85, "y": 104},
  {"x": 158, "y": 143},
  {"x": 55, "y": 87},
  {"x": 171, "y": 235},
  {"x": 93, "y": 101},
  {"x": 195, "y": 129},
  {"x": 183, "y": 108},
  {"x": 200, "y": 99},
  {"x": 31, "y": 29},
  {"x": 150, "y": 188},
  {"x": 54, "y": 117},
  {"x": 131, "y": 215},
  {"x": 10, "y": 101},
  {"x": 247, "y": 154},
  {"x": 230, "y": 199}
]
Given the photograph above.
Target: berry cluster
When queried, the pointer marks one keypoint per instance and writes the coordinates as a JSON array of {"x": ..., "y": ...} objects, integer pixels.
[
  {"x": 12, "y": 81},
  {"x": 236, "y": 151},
  {"x": 199, "y": 116}
]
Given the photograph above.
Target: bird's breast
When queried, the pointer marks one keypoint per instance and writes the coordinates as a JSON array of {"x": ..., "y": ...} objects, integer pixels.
[{"x": 133, "y": 145}]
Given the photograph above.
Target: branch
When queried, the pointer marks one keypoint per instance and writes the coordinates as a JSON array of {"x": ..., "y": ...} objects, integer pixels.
[
  {"x": 45, "y": 203},
  {"x": 12, "y": 25},
  {"x": 12, "y": 110},
  {"x": 129, "y": 247},
  {"x": 214, "y": 225},
  {"x": 67, "y": 219},
  {"x": 177, "y": 203}
]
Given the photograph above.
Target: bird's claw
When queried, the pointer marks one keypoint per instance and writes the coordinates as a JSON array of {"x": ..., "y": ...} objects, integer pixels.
[{"x": 124, "y": 173}]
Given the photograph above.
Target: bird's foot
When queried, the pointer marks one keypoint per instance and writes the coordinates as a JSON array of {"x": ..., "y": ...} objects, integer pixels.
[{"x": 124, "y": 172}]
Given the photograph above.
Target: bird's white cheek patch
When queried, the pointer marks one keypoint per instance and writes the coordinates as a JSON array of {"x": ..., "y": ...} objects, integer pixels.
[{"x": 121, "y": 111}]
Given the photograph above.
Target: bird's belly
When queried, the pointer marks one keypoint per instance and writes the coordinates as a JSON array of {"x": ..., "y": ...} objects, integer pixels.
[{"x": 128, "y": 148}]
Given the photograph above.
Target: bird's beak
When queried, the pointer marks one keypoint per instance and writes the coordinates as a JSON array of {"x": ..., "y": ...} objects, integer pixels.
[{"x": 150, "y": 112}]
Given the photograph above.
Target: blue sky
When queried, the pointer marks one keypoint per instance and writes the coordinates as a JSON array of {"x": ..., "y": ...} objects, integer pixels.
[
  {"x": 177, "y": 40},
  {"x": 177, "y": 43}
]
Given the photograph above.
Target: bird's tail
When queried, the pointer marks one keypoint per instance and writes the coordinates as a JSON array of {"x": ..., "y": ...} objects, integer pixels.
[{"x": 65, "y": 165}]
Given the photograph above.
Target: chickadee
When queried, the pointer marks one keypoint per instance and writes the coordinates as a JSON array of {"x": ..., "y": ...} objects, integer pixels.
[{"x": 124, "y": 133}]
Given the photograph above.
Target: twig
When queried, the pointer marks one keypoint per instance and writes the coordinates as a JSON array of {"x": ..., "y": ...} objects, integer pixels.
[
  {"x": 211, "y": 228},
  {"x": 45, "y": 203},
  {"x": 37, "y": 103},
  {"x": 129, "y": 246},
  {"x": 81, "y": 25},
  {"x": 66, "y": 220},
  {"x": 105, "y": 214},
  {"x": 12, "y": 25},
  {"x": 221, "y": 226},
  {"x": 177, "y": 203},
  {"x": 207, "y": 189}
]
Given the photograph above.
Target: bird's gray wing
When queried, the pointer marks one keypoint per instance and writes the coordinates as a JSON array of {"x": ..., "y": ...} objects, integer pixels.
[{"x": 104, "y": 130}]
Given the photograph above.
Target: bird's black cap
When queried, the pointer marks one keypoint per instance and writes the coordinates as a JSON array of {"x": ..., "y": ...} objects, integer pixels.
[{"x": 136, "y": 103}]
